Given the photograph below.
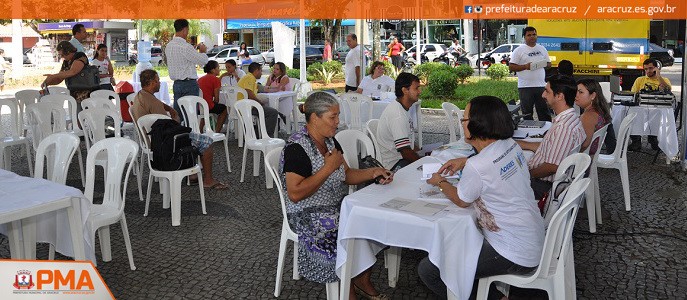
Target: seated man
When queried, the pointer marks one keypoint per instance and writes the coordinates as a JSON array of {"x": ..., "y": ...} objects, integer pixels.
[
  {"x": 233, "y": 74},
  {"x": 651, "y": 82},
  {"x": 565, "y": 134},
  {"x": 395, "y": 127},
  {"x": 146, "y": 103},
  {"x": 250, "y": 84}
]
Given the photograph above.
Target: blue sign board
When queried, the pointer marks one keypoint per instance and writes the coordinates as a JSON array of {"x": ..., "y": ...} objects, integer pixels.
[
  {"x": 267, "y": 23},
  {"x": 68, "y": 25}
]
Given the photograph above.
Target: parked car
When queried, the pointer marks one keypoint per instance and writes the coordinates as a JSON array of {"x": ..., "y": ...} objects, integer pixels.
[
  {"x": 343, "y": 51},
  {"x": 663, "y": 56},
  {"x": 431, "y": 51},
  {"x": 313, "y": 54},
  {"x": 227, "y": 53},
  {"x": 156, "y": 56},
  {"x": 498, "y": 53},
  {"x": 26, "y": 59}
]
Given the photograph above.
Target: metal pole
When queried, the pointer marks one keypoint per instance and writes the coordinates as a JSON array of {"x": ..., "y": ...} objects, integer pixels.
[
  {"x": 683, "y": 99},
  {"x": 479, "y": 47}
]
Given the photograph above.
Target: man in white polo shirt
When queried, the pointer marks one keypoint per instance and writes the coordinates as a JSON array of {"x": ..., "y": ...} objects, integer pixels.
[
  {"x": 395, "y": 127},
  {"x": 526, "y": 61},
  {"x": 565, "y": 135}
]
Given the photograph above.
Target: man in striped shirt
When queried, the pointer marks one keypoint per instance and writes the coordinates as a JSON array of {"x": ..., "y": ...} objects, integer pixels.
[
  {"x": 565, "y": 135},
  {"x": 395, "y": 126}
]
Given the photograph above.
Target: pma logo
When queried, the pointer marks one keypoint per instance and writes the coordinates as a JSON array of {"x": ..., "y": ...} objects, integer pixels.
[{"x": 23, "y": 280}]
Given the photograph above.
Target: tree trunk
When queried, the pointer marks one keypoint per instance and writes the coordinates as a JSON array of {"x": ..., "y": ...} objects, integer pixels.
[
  {"x": 334, "y": 34},
  {"x": 376, "y": 42}
]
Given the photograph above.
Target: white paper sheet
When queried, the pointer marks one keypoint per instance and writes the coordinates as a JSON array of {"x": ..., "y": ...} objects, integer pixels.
[
  {"x": 429, "y": 169},
  {"x": 419, "y": 207}
]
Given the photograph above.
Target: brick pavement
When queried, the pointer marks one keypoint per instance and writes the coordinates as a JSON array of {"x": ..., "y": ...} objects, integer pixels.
[{"x": 231, "y": 253}]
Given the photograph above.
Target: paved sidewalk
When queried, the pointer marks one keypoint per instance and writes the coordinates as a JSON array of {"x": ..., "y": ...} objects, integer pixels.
[{"x": 231, "y": 253}]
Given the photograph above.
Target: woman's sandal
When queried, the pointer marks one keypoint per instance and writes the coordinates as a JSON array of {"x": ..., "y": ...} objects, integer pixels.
[{"x": 365, "y": 295}]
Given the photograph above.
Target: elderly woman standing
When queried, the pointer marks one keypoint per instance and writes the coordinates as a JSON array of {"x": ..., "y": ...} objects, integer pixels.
[
  {"x": 497, "y": 182},
  {"x": 315, "y": 177},
  {"x": 73, "y": 62}
]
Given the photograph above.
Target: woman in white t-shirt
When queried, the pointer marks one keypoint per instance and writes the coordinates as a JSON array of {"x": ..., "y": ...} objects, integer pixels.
[
  {"x": 104, "y": 65},
  {"x": 497, "y": 181},
  {"x": 376, "y": 82}
]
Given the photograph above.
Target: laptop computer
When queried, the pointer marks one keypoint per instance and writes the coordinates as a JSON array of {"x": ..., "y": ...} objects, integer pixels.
[{"x": 531, "y": 124}]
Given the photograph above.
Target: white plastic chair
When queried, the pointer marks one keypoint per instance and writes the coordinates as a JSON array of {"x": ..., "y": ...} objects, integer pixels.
[
  {"x": 551, "y": 274},
  {"x": 119, "y": 152},
  {"x": 189, "y": 106},
  {"x": 357, "y": 105},
  {"x": 58, "y": 90},
  {"x": 453, "y": 116},
  {"x": 232, "y": 93},
  {"x": 593, "y": 191},
  {"x": 95, "y": 129},
  {"x": 25, "y": 98},
  {"x": 171, "y": 188},
  {"x": 96, "y": 102},
  {"x": 130, "y": 99},
  {"x": 371, "y": 127},
  {"x": 14, "y": 138},
  {"x": 349, "y": 140},
  {"x": 618, "y": 160},
  {"x": 580, "y": 163},
  {"x": 262, "y": 144},
  {"x": 287, "y": 234},
  {"x": 110, "y": 95},
  {"x": 417, "y": 107}
]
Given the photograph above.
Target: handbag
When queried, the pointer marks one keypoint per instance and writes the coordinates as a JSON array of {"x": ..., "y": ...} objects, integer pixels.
[
  {"x": 368, "y": 162},
  {"x": 87, "y": 79}
]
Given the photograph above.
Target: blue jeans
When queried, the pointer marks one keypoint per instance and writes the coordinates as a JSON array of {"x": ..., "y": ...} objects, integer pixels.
[{"x": 184, "y": 88}]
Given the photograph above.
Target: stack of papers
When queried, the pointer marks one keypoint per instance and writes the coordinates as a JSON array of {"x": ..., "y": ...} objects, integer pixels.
[
  {"x": 429, "y": 169},
  {"x": 538, "y": 64}
]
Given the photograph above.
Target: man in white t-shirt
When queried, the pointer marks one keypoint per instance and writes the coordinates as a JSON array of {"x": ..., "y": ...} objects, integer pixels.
[
  {"x": 531, "y": 81},
  {"x": 395, "y": 126},
  {"x": 353, "y": 64}
]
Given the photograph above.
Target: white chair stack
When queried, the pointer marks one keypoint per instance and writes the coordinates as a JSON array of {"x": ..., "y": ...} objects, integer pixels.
[
  {"x": 25, "y": 98},
  {"x": 453, "y": 116},
  {"x": 261, "y": 144},
  {"x": 96, "y": 102},
  {"x": 618, "y": 160},
  {"x": 287, "y": 234},
  {"x": 189, "y": 106},
  {"x": 551, "y": 274},
  {"x": 109, "y": 95},
  {"x": 14, "y": 138},
  {"x": 593, "y": 192},
  {"x": 359, "y": 108},
  {"x": 53, "y": 90},
  {"x": 171, "y": 187}
]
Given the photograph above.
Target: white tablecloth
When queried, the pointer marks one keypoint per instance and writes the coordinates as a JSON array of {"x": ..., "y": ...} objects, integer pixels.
[
  {"x": 163, "y": 94},
  {"x": 23, "y": 195},
  {"x": 658, "y": 121},
  {"x": 451, "y": 237},
  {"x": 282, "y": 101}
]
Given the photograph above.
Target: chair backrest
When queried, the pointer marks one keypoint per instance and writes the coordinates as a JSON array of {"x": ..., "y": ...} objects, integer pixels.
[
  {"x": 25, "y": 98},
  {"x": 94, "y": 126},
  {"x": 138, "y": 132},
  {"x": 44, "y": 119},
  {"x": 96, "y": 102},
  {"x": 107, "y": 94},
  {"x": 596, "y": 141},
  {"x": 451, "y": 110},
  {"x": 272, "y": 163},
  {"x": 232, "y": 93},
  {"x": 189, "y": 107},
  {"x": 119, "y": 152},
  {"x": 58, "y": 149},
  {"x": 623, "y": 137},
  {"x": 15, "y": 128},
  {"x": 64, "y": 100},
  {"x": 293, "y": 84},
  {"x": 371, "y": 127},
  {"x": 580, "y": 162},
  {"x": 355, "y": 103},
  {"x": 58, "y": 90},
  {"x": 245, "y": 112},
  {"x": 349, "y": 140},
  {"x": 559, "y": 233},
  {"x": 144, "y": 124},
  {"x": 606, "y": 90},
  {"x": 130, "y": 99}
]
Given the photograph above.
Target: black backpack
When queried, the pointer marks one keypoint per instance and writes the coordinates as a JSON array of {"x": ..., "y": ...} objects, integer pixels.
[{"x": 171, "y": 146}]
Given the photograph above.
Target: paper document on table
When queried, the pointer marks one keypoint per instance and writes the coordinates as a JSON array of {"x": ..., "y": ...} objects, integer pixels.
[
  {"x": 429, "y": 169},
  {"x": 520, "y": 134},
  {"x": 414, "y": 206}
]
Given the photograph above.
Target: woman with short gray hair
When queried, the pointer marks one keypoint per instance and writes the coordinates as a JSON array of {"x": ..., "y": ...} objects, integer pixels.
[
  {"x": 315, "y": 178},
  {"x": 72, "y": 64}
]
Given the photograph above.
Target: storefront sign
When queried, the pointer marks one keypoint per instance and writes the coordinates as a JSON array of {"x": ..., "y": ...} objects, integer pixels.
[
  {"x": 68, "y": 25},
  {"x": 267, "y": 23}
]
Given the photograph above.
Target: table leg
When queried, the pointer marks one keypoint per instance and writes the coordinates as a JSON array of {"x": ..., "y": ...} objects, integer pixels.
[
  {"x": 28, "y": 229},
  {"x": 76, "y": 228},
  {"x": 346, "y": 270},
  {"x": 13, "y": 234}
]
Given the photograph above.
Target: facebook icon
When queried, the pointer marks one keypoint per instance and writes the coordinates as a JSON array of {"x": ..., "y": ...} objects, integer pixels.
[{"x": 468, "y": 9}]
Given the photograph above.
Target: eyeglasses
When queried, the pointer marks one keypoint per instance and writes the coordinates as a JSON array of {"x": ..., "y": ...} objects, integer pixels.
[{"x": 464, "y": 120}]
